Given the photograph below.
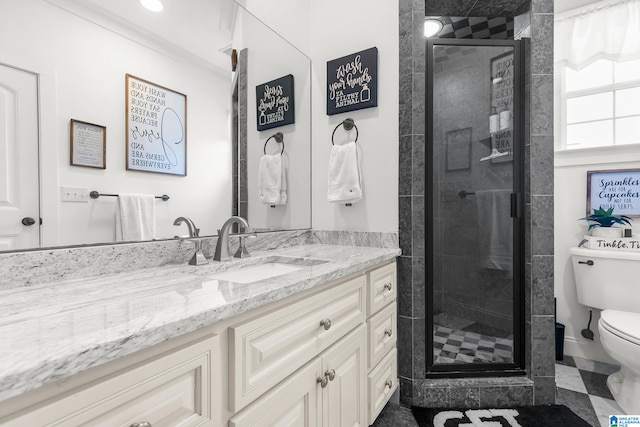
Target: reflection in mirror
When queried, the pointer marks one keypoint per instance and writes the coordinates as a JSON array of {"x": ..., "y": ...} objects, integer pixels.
[
  {"x": 77, "y": 71},
  {"x": 289, "y": 143}
]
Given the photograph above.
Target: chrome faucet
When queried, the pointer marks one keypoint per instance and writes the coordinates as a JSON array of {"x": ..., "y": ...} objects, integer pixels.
[
  {"x": 193, "y": 231},
  {"x": 198, "y": 257},
  {"x": 222, "y": 247}
]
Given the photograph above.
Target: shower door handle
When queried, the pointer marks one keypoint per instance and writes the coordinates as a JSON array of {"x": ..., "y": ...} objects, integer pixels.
[{"x": 515, "y": 205}]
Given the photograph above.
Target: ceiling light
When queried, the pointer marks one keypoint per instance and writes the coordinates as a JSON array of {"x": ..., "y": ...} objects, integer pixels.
[
  {"x": 152, "y": 5},
  {"x": 431, "y": 27}
]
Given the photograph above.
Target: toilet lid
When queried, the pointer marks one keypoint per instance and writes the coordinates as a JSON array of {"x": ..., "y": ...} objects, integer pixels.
[{"x": 623, "y": 324}]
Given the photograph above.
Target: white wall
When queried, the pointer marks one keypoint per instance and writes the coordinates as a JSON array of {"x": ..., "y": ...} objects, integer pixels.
[
  {"x": 82, "y": 70},
  {"x": 289, "y": 18},
  {"x": 570, "y": 204},
  {"x": 337, "y": 29}
]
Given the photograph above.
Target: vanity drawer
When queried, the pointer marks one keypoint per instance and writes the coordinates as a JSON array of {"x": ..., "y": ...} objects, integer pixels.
[
  {"x": 265, "y": 350},
  {"x": 382, "y": 287},
  {"x": 174, "y": 389},
  {"x": 382, "y": 334},
  {"x": 382, "y": 382}
]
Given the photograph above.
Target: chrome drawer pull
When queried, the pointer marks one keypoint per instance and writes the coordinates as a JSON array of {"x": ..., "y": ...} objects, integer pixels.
[
  {"x": 389, "y": 384},
  {"x": 323, "y": 381},
  {"x": 388, "y": 286},
  {"x": 141, "y": 424},
  {"x": 331, "y": 374},
  {"x": 326, "y": 324},
  {"x": 388, "y": 332}
]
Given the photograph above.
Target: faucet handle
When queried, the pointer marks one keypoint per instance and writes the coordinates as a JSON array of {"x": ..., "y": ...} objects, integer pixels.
[{"x": 242, "y": 251}]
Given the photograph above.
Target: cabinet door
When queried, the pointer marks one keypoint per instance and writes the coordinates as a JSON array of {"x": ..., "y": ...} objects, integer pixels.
[
  {"x": 382, "y": 334},
  {"x": 267, "y": 349},
  {"x": 383, "y": 381},
  {"x": 293, "y": 403},
  {"x": 345, "y": 396},
  {"x": 382, "y": 287},
  {"x": 171, "y": 390}
]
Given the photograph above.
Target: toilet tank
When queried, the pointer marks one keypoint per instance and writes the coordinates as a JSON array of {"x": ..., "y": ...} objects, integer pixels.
[{"x": 607, "y": 279}]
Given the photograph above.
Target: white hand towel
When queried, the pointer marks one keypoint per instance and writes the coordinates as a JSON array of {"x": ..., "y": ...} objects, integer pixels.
[
  {"x": 344, "y": 174},
  {"x": 272, "y": 180},
  {"x": 135, "y": 217},
  {"x": 495, "y": 225}
]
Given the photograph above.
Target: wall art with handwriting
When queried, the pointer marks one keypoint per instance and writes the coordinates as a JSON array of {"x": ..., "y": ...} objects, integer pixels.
[
  {"x": 156, "y": 134},
  {"x": 275, "y": 103},
  {"x": 352, "y": 82},
  {"x": 617, "y": 189}
]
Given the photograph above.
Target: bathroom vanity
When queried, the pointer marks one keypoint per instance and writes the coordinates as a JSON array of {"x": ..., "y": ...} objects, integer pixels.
[{"x": 306, "y": 334}]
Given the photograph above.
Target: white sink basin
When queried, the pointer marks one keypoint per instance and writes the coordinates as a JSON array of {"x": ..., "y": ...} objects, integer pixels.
[{"x": 257, "y": 272}]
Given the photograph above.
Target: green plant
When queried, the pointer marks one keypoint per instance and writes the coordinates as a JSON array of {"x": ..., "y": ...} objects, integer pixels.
[{"x": 605, "y": 218}]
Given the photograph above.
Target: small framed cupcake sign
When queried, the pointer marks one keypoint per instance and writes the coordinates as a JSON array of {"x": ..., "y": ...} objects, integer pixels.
[{"x": 617, "y": 189}]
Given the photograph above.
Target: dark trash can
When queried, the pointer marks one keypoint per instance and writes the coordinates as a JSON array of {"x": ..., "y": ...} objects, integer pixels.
[{"x": 559, "y": 341}]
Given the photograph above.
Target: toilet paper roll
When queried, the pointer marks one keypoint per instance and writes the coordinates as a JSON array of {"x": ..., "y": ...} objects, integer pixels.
[
  {"x": 493, "y": 123},
  {"x": 505, "y": 120}
]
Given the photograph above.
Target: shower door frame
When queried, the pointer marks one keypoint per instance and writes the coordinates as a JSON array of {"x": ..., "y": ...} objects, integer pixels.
[{"x": 517, "y": 367}]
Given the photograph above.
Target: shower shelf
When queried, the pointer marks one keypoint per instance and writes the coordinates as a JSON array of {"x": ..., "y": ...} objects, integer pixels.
[{"x": 494, "y": 155}]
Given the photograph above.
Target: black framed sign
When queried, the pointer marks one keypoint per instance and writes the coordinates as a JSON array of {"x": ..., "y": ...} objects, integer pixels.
[
  {"x": 275, "y": 104},
  {"x": 352, "y": 82},
  {"x": 617, "y": 189},
  {"x": 156, "y": 121}
]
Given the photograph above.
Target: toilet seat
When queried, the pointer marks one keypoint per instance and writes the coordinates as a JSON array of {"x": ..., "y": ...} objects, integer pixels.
[{"x": 624, "y": 324}]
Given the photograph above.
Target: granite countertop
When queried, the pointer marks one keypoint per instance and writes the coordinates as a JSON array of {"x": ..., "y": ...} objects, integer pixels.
[{"x": 52, "y": 331}]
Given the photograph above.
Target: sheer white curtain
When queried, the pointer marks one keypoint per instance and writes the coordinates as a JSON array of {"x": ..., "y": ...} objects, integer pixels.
[{"x": 609, "y": 29}]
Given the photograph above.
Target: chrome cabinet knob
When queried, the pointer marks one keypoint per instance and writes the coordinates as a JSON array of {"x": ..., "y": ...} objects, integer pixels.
[
  {"x": 141, "y": 424},
  {"x": 388, "y": 286},
  {"x": 326, "y": 324},
  {"x": 389, "y": 384},
  {"x": 388, "y": 332},
  {"x": 323, "y": 381},
  {"x": 331, "y": 374}
]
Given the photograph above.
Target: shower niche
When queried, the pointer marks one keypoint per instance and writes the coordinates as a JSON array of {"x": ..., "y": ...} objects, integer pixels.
[{"x": 474, "y": 208}]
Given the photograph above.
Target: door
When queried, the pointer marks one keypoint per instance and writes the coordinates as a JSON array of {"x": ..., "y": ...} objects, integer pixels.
[
  {"x": 345, "y": 395},
  {"x": 475, "y": 228},
  {"x": 19, "y": 188}
]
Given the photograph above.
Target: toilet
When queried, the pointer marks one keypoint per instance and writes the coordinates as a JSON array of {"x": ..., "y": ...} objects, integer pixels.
[{"x": 608, "y": 280}]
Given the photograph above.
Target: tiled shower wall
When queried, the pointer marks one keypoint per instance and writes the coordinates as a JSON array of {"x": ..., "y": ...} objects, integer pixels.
[{"x": 538, "y": 387}]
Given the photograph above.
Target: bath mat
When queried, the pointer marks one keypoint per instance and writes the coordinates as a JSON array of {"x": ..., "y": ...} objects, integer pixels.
[{"x": 524, "y": 416}]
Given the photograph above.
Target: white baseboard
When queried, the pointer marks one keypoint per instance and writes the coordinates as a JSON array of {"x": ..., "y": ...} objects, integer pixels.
[{"x": 591, "y": 350}]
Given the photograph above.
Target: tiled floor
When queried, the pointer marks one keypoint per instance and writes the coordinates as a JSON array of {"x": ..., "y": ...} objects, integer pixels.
[
  {"x": 462, "y": 346},
  {"x": 581, "y": 386}
]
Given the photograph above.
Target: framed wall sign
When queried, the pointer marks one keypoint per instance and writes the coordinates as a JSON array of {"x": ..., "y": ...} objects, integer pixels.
[
  {"x": 502, "y": 94},
  {"x": 458, "y": 149},
  {"x": 352, "y": 82},
  {"x": 275, "y": 103},
  {"x": 156, "y": 122},
  {"x": 88, "y": 144},
  {"x": 617, "y": 189}
]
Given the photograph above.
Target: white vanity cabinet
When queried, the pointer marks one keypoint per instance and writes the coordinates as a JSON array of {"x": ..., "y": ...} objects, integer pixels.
[
  {"x": 173, "y": 389},
  {"x": 382, "y": 380},
  {"x": 322, "y": 357},
  {"x": 328, "y": 391}
]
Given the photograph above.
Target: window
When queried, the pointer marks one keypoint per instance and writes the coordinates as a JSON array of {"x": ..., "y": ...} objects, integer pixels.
[{"x": 600, "y": 104}]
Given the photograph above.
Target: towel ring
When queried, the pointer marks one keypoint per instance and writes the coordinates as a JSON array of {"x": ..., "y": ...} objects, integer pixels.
[
  {"x": 348, "y": 124},
  {"x": 279, "y": 138}
]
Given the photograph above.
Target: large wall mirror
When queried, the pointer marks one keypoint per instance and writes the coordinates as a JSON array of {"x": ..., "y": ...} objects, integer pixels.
[{"x": 67, "y": 60}]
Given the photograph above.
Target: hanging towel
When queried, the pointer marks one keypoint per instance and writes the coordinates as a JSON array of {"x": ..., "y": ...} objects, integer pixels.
[
  {"x": 135, "y": 217},
  {"x": 344, "y": 174},
  {"x": 272, "y": 180},
  {"x": 495, "y": 229}
]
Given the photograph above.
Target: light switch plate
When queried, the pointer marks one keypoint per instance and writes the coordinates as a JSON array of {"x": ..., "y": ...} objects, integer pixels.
[{"x": 75, "y": 194}]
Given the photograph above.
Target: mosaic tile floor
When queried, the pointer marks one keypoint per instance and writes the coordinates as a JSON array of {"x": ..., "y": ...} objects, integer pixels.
[{"x": 463, "y": 346}]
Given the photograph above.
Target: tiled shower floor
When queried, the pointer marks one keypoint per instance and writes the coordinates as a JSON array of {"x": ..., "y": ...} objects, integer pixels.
[{"x": 462, "y": 346}]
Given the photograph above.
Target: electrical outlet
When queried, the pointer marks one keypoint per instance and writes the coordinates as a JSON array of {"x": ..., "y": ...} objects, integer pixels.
[{"x": 75, "y": 194}]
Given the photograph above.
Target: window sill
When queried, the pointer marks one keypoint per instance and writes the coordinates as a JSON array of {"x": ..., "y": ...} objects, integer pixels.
[{"x": 597, "y": 155}]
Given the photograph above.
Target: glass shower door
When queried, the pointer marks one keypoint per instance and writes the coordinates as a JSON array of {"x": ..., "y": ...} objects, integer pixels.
[{"x": 475, "y": 182}]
